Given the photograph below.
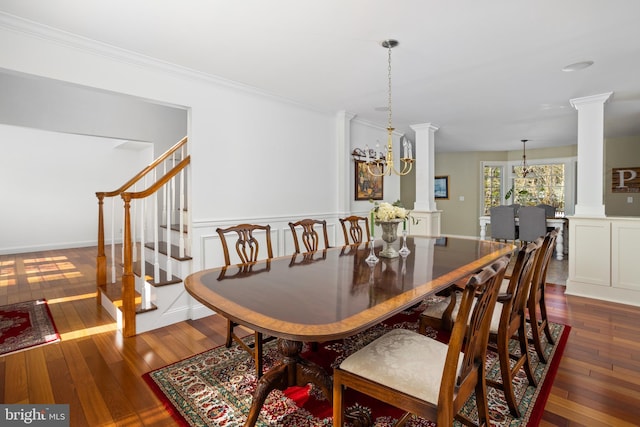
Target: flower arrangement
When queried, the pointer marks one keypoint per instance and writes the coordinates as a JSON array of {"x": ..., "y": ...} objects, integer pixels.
[{"x": 387, "y": 212}]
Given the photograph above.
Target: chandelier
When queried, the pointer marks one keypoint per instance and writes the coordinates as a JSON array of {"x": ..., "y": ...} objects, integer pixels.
[
  {"x": 526, "y": 170},
  {"x": 381, "y": 163}
]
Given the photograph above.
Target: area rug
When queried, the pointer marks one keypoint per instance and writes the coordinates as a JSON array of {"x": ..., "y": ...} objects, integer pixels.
[
  {"x": 214, "y": 388},
  {"x": 26, "y": 325}
]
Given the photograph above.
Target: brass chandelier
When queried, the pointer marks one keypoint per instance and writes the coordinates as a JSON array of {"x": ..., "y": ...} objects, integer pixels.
[
  {"x": 525, "y": 168},
  {"x": 380, "y": 163}
]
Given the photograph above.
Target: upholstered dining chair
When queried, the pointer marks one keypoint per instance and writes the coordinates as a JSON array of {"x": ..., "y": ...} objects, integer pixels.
[
  {"x": 424, "y": 376},
  {"x": 536, "y": 306},
  {"x": 508, "y": 322},
  {"x": 247, "y": 250},
  {"x": 355, "y": 229},
  {"x": 503, "y": 223},
  {"x": 532, "y": 223},
  {"x": 549, "y": 211},
  {"x": 309, "y": 236}
]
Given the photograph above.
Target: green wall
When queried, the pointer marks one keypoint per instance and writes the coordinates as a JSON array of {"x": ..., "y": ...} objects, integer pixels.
[{"x": 460, "y": 217}]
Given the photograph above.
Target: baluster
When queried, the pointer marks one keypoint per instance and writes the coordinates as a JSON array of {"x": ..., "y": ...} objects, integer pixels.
[
  {"x": 156, "y": 228},
  {"x": 113, "y": 240},
  {"x": 181, "y": 214},
  {"x": 170, "y": 207}
]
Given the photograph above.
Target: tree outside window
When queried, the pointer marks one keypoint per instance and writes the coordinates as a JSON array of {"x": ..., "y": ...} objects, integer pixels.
[
  {"x": 492, "y": 186},
  {"x": 544, "y": 184}
]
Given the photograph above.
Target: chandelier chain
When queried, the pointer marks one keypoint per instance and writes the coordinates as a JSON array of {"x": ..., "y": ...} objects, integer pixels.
[{"x": 389, "y": 85}]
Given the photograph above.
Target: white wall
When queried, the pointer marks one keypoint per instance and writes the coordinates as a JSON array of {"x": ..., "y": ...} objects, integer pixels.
[
  {"x": 48, "y": 182},
  {"x": 254, "y": 157},
  {"x": 363, "y": 134}
]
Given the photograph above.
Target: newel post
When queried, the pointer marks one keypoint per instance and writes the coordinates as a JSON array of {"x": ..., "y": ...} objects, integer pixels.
[
  {"x": 128, "y": 279},
  {"x": 101, "y": 258}
]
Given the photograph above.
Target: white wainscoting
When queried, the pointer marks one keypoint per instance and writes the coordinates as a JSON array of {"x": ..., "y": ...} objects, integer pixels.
[{"x": 603, "y": 259}]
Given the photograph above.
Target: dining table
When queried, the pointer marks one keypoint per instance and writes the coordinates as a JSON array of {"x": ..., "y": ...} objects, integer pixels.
[
  {"x": 559, "y": 223},
  {"x": 332, "y": 294}
]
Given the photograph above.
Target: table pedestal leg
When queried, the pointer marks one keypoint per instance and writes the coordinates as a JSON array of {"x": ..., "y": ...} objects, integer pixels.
[{"x": 293, "y": 370}]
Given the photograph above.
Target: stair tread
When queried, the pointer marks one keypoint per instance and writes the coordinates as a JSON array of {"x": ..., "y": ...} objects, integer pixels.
[
  {"x": 113, "y": 291},
  {"x": 176, "y": 227},
  {"x": 162, "y": 248},
  {"x": 163, "y": 280}
]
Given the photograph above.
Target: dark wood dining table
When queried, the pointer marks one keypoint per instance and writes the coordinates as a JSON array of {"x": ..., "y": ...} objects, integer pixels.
[{"x": 332, "y": 294}]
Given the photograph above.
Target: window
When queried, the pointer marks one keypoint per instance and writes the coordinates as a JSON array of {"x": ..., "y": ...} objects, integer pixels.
[
  {"x": 544, "y": 184},
  {"x": 492, "y": 178}
]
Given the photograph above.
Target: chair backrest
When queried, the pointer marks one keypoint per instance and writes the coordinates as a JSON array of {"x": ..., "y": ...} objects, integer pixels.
[
  {"x": 247, "y": 246},
  {"x": 532, "y": 223},
  {"x": 354, "y": 230},
  {"x": 549, "y": 211},
  {"x": 519, "y": 283},
  {"x": 541, "y": 266},
  {"x": 483, "y": 288},
  {"x": 309, "y": 236},
  {"x": 503, "y": 223}
]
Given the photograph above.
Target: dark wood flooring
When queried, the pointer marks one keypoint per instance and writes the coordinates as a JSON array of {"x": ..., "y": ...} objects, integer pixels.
[{"x": 98, "y": 372}]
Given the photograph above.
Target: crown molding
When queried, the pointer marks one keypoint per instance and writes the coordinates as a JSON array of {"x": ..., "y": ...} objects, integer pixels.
[{"x": 64, "y": 38}]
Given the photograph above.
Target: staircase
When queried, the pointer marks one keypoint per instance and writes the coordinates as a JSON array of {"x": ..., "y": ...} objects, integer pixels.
[{"x": 148, "y": 249}]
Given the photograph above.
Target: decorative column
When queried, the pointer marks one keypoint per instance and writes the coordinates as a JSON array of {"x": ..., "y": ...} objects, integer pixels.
[
  {"x": 344, "y": 160},
  {"x": 425, "y": 213},
  {"x": 590, "y": 154}
]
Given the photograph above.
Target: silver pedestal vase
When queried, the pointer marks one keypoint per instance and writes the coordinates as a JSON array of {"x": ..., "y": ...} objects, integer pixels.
[{"x": 389, "y": 235}]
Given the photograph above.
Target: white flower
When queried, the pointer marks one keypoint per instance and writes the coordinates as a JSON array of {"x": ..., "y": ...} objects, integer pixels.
[{"x": 387, "y": 212}]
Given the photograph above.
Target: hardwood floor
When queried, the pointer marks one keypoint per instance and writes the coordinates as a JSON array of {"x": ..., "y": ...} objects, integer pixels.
[{"x": 98, "y": 372}]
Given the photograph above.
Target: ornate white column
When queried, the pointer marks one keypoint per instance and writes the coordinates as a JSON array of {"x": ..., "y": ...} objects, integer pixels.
[
  {"x": 425, "y": 213},
  {"x": 590, "y": 175},
  {"x": 344, "y": 160}
]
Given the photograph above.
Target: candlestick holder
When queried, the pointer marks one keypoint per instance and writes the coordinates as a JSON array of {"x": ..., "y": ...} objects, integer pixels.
[
  {"x": 372, "y": 259},
  {"x": 404, "y": 250}
]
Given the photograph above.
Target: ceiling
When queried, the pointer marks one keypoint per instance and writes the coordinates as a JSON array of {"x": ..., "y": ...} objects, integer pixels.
[{"x": 487, "y": 73}]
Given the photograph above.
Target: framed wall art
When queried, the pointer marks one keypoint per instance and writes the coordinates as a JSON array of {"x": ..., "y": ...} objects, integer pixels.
[
  {"x": 441, "y": 187},
  {"x": 368, "y": 187}
]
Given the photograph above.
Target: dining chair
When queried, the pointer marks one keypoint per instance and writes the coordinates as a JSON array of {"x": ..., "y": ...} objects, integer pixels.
[
  {"x": 536, "y": 306},
  {"x": 508, "y": 321},
  {"x": 549, "y": 211},
  {"x": 309, "y": 236},
  {"x": 422, "y": 375},
  {"x": 532, "y": 223},
  {"x": 353, "y": 230},
  {"x": 503, "y": 223},
  {"x": 515, "y": 207},
  {"x": 247, "y": 250}
]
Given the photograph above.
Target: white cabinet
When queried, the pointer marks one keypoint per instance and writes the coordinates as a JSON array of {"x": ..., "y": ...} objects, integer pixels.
[{"x": 604, "y": 259}]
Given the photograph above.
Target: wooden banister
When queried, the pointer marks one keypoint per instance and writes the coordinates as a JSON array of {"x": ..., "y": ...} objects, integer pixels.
[{"x": 128, "y": 279}]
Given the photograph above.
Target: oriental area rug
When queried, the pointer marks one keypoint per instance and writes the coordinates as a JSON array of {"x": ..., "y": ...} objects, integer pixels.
[
  {"x": 215, "y": 388},
  {"x": 26, "y": 325}
]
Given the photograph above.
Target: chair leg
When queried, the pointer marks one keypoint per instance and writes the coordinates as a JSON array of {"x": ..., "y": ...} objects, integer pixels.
[
  {"x": 257, "y": 353},
  {"x": 507, "y": 376},
  {"x": 535, "y": 334},
  {"x": 543, "y": 317},
  {"x": 337, "y": 402},
  {"x": 230, "y": 326},
  {"x": 481, "y": 399},
  {"x": 524, "y": 353}
]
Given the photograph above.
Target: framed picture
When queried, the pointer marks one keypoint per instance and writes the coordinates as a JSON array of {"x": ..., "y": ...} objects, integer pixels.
[
  {"x": 441, "y": 187},
  {"x": 368, "y": 187}
]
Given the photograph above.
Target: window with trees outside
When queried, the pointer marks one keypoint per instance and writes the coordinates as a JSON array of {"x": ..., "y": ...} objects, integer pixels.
[
  {"x": 544, "y": 184},
  {"x": 493, "y": 177}
]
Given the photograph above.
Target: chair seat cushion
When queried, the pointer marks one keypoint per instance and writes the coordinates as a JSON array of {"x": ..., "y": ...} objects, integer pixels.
[{"x": 403, "y": 360}]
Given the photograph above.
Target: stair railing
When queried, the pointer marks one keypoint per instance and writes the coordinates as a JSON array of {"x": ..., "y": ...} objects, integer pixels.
[
  {"x": 165, "y": 184},
  {"x": 169, "y": 165}
]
